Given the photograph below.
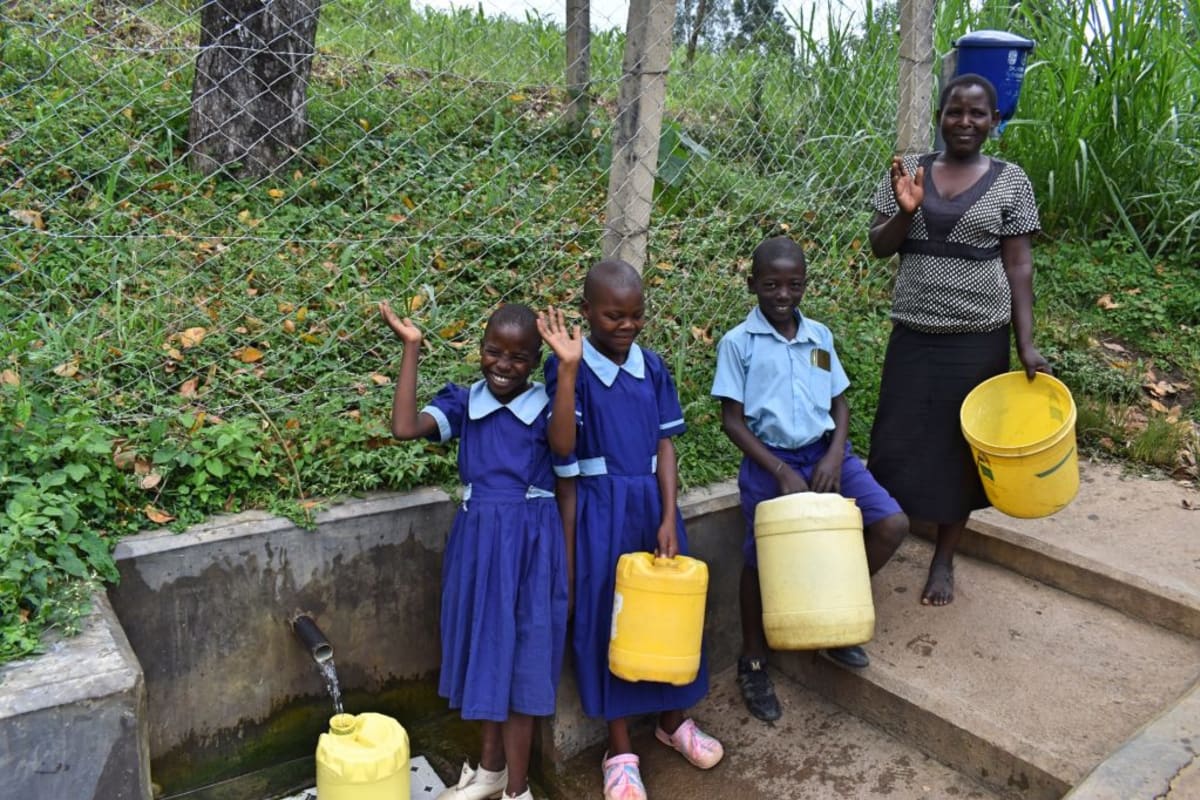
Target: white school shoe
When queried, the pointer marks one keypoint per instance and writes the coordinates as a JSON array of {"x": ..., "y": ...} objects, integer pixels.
[
  {"x": 525, "y": 795},
  {"x": 477, "y": 785}
]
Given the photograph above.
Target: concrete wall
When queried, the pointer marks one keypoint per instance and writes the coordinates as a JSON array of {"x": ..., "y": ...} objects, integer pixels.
[
  {"x": 207, "y": 612},
  {"x": 73, "y": 720},
  {"x": 230, "y": 689}
]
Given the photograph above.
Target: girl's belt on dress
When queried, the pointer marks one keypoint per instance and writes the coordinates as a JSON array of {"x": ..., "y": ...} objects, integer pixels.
[
  {"x": 598, "y": 466},
  {"x": 506, "y": 495}
]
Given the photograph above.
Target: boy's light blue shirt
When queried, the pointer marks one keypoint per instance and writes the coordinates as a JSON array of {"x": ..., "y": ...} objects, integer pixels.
[{"x": 786, "y": 388}]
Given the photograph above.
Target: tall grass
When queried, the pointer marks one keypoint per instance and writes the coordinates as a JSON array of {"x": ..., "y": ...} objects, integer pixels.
[{"x": 1108, "y": 124}]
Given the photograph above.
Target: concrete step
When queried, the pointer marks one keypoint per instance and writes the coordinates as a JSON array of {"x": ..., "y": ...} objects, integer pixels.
[
  {"x": 1125, "y": 541},
  {"x": 815, "y": 752},
  {"x": 1017, "y": 684}
]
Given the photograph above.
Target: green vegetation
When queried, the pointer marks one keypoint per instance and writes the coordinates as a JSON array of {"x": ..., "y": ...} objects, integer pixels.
[{"x": 177, "y": 346}]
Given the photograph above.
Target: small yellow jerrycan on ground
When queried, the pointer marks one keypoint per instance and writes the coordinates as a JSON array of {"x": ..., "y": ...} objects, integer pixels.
[
  {"x": 363, "y": 757},
  {"x": 812, "y": 569},
  {"x": 658, "y": 618}
]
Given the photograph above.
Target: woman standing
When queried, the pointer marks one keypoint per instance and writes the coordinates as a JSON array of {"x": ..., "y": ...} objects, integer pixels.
[{"x": 961, "y": 222}]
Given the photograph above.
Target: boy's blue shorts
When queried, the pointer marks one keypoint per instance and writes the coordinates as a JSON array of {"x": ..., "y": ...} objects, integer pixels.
[{"x": 756, "y": 484}]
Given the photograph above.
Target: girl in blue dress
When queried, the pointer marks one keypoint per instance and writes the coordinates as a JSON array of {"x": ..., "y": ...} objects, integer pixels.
[
  {"x": 627, "y": 411},
  {"x": 504, "y": 575}
]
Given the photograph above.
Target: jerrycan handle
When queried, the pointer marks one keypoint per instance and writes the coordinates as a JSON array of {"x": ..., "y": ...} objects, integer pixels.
[{"x": 663, "y": 562}]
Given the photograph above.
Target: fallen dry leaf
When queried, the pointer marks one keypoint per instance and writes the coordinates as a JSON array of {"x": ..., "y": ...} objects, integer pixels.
[
  {"x": 150, "y": 481},
  {"x": 248, "y": 355},
  {"x": 1106, "y": 302},
  {"x": 28, "y": 216},
  {"x": 157, "y": 516},
  {"x": 188, "y": 389},
  {"x": 10, "y": 377},
  {"x": 192, "y": 337},
  {"x": 380, "y": 380},
  {"x": 1116, "y": 348},
  {"x": 67, "y": 369}
]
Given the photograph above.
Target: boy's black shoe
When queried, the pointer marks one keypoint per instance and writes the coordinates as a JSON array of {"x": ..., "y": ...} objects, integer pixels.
[
  {"x": 757, "y": 689},
  {"x": 852, "y": 656}
]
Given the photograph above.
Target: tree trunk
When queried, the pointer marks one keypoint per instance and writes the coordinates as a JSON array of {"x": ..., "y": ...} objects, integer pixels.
[
  {"x": 694, "y": 36},
  {"x": 579, "y": 63},
  {"x": 248, "y": 96},
  {"x": 640, "y": 102}
]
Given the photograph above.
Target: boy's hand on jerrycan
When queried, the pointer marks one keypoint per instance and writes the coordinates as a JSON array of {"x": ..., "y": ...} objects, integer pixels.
[
  {"x": 791, "y": 482},
  {"x": 567, "y": 345},
  {"x": 404, "y": 329}
]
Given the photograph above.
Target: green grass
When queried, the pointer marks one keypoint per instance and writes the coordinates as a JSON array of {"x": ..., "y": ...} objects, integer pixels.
[{"x": 176, "y": 346}]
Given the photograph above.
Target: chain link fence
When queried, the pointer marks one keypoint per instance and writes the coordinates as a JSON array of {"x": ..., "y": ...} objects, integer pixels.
[{"x": 438, "y": 173}]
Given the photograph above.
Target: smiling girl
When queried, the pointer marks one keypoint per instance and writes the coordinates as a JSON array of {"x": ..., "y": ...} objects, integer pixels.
[
  {"x": 504, "y": 575},
  {"x": 627, "y": 412}
]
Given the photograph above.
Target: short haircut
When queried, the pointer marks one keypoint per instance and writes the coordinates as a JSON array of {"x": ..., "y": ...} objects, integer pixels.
[
  {"x": 773, "y": 249},
  {"x": 968, "y": 79},
  {"x": 515, "y": 315},
  {"x": 611, "y": 273}
]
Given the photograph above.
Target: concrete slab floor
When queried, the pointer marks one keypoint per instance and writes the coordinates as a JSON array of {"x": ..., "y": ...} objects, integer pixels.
[
  {"x": 815, "y": 752},
  {"x": 424, "y": 784},
  {"x": 1126, "y": 521},
  {"x": 1055, "y": 673}
]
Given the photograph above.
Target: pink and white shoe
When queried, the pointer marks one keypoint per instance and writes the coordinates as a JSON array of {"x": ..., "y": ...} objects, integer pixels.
[
  {"x": 622, "y": 778},
  {"x": 697, "y": 747}
]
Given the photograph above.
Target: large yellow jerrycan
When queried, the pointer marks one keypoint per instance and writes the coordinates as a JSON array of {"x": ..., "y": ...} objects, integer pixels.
[
  {"x": 658, "y": 618},
  {"x": 363, "y": 757},
  {"x": 812, "y": 570}
]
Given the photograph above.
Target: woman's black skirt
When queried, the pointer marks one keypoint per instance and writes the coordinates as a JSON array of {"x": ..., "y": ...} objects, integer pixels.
[{"x": 918, "y": 452}]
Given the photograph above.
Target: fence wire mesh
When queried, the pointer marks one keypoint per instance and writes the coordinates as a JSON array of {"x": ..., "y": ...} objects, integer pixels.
[{"x": 437, "y": 173}]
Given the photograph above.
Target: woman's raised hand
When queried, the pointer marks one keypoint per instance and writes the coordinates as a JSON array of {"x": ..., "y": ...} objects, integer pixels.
[
  {"x": 566, "y": 344},
  {"x": 908, "y": 189},
  {"x": 404, "y": 329}
]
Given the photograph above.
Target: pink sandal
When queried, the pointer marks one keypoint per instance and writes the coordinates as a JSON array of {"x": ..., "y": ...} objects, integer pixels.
[
  {"x": 697, "y": 747},
  {"x": 622, "y": 779}
]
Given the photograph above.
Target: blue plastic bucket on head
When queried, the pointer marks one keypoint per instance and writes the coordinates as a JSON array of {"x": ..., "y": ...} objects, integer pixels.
[{"x": 998, "y": 56}]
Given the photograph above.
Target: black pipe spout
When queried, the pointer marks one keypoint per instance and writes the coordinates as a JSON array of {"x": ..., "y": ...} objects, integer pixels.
[{"x": 307, "y": 631}]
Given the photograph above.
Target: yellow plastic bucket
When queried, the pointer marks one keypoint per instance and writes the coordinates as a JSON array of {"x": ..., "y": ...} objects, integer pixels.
[
  {"x": 812, "y": 572},
  {"x": 1022, "y": 434},
  {"x": 658, "y": 618},
  {"x": 363, "y": 757}
]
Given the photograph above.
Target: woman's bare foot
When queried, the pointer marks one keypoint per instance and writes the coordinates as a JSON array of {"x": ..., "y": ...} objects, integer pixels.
[{"x": 939, "y": 588}]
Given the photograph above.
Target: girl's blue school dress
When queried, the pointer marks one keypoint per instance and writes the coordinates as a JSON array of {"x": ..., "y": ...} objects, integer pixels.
[
  {"x": 622, "y": 412},
  {"x": 504, "y": 588}
]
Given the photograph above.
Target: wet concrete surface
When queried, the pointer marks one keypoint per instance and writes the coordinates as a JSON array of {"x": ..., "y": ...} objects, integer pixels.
[{"x": 816, "y": 751}]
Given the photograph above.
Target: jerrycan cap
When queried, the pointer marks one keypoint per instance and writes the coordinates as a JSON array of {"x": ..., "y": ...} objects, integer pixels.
[{"x": 343, "y": 724}]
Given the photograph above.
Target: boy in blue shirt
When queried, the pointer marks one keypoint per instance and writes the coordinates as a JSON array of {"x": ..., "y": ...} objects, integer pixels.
[{"x": 783, "y": 403}]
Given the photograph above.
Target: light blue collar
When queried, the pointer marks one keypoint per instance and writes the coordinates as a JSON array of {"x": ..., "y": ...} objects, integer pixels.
[
  {"x": 606, "y": 369},
  {"x": 526, "y": 406},
  {"x": 757, "y": 323}
]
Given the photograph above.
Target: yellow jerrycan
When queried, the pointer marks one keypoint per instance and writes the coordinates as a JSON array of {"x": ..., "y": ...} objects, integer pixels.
[
  {"x": 363, "y": 757},
  {"x": 658, "y": 618},
  {"x": 812, "y": 569}
]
